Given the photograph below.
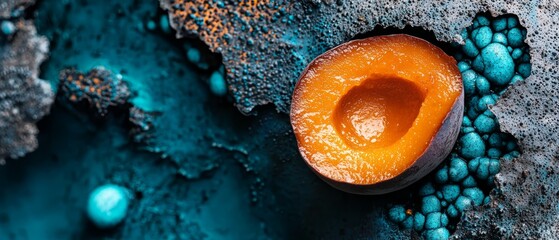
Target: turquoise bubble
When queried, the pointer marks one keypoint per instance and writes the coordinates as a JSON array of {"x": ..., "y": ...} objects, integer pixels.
[
  {"x": 107, "y": 205},
  {"x": 463, "y": 203},
  {"x": 193, "y": 55},
  {"x": 486, "y": 200},
  {"x": 514, "y": 37},
  {"x": 499, "y": 24},
  {"x": 494, "y": 166},
  {"x": 451, "y": 192},
  {"x": 517, "y": 53},
  {"x": 500, "y": 38},
  {"x": 525, "y": 69},
  {"x": 511, "y": 145},
  {"x": 475, "y": 194},
  {"x": 463, "y": 66},
  {"x": 482, "y": 20},
  {"x": 467, "y": 130},
  {"x": 397, "y": 213},
  {"x": 469, "y": 182},
  {"x": 466, "y": 122},
  {"x": 433, "y": 220},
  {"x": 8, "y": 28},
  {"x": 418, "y": 221},
  {"x": 426, "y": 189},
  {"x": 499, "y": 66},
  {"x": 441, "y": 176},
  {"x": 217, "y": 84},
  {"x": 473, "y": 164},
  {"x": 472, "y": 113},
  {"x": 512, "y": 22},
  {"x": 482, "y": 171},
  {"x": 489, "y": 113},
  {"x": 482, "y": 85},
  {"x": 437, "y": 234},
  {"x": 164, "y": 24},
  {"x": 485, "y": 124},
  {"x": 472, "y": 145},
  {"x": 458, "y": 169},
  {"x": 151, "y": 25},
  {"x": 515, "y": 79},
  {"x": 485, "y": 101},
  {"x": 496, "y": 140},
  {"x": 408, "y": 223},
  {"x": 452, "y": 212},
  {"x": 483, "y": 36},
  {"x": 469, "y": 79},
  {"x": 469, "y": 48},
  {"x": 430, "y": 204},
  {"x": 494, "y": 153},
  {"x": 477, "y": 64}
]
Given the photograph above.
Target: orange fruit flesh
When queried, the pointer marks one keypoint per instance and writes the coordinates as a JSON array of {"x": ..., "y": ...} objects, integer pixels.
[{"x": 366, "y": 110}]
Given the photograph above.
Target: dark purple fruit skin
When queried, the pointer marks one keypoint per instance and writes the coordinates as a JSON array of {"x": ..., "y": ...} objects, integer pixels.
[{"x": 440, "y": 147}]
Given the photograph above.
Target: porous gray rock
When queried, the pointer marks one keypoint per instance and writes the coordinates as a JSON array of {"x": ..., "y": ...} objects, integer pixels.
[
  {"x": 24, "y": 98},
  {"x": 267, "y": 44}
]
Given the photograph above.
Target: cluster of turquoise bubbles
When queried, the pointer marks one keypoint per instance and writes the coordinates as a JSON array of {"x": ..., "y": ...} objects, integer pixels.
[{"x": 493, "y": 58}]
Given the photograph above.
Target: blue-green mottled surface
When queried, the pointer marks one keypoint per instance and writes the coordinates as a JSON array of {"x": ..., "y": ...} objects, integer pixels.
[{"x": 207, "y": 172}]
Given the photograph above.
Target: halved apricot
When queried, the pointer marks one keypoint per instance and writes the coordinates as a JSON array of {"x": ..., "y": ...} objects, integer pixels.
[{"x": 373, "y": 116}]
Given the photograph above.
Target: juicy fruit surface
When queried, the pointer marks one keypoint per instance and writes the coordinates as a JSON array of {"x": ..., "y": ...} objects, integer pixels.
[
  {"x": 366, "y": 110},
  {"x": 378, "y": 112}
]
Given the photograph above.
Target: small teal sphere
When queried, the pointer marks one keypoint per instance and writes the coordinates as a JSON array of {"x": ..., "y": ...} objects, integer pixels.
[
  {"x": 514, "y": 37},
  {"x": 458, "y": 169},
  {"x": 107, "y": 205},
  {"x": 512, "y": 22},
  {"x": 472, "y": 145},
  {"x": 485, "y": 124},
  {"x": 418, "y": 221},
  {"x": 193, "y": 55},
  {"x": 463, "y": 203},
  {"x": 427, "y": 189},
  {"x": 430, "y": 204},
  {"x": 499, "y": 24},
  {"x": 483, "y": 37},
  {"x": 151, "y": 25},
  {"x": 469, "y": 78},
  {"x": 217, "y": 84},
  {"x": 437, "y": 234},
  {"x": 433, "y": 220},
  {"x": 477, "y": 64},
  {"x": 469, "y": 48},
  {"x": 452, "y": 212},
  {"x": 482, "y": 85},
  {"x": 517, "y": 53},
  {"x": 8, "y": 28},
  {"x": 164, "y": 24},
  {"x": 397, "y": 214},
  {"x": 525, "y": 69},
  {"x": 469, "y": 182},
  {"x": 498, "y": 64},
  {"x": 451, "y": 192},
  {"x": 475, "y": 194},
  {"x": 500, "y": 38}
]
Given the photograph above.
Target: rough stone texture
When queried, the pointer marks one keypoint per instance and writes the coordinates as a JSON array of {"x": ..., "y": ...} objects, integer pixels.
[
  {"x": 11, "y": 8},
  {"x": 24, "y": 98},
  {"x": 99, "y": 87},
  {"x": 267, "y": 44}
]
